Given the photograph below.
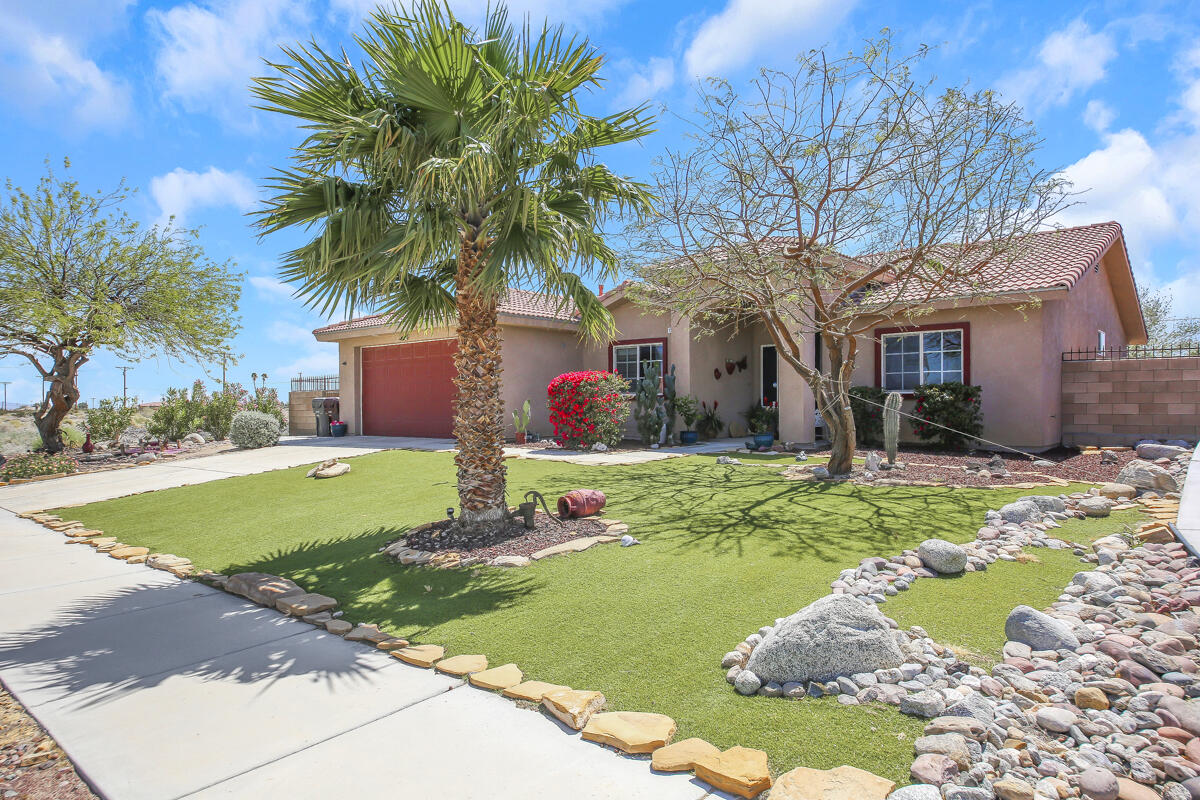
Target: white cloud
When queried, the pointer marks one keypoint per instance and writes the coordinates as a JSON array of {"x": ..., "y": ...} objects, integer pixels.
[
  {"x": 181, "y": 190},
  {"x": 208, "y": 52},
  {"x": 1069, "y": 61},
  {"x": 571, "y": 12},
  {"x": 43, "y": 66},
  {"x": 645, "y": 83},
  {"x": 308, "y": 355},
  {"x": 272, "y": 289},
  {"x": 1098, "y": 115},
  {"x": 747, "y": 31},
  {"x": 1123, "y": 181}
]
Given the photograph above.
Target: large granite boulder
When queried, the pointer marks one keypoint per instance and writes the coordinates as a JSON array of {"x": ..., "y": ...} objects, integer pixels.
[
  {"x": 1021, "y": 511},
  {"x": 834, "y": 636},
  {"x": 1144, "y": 475},
  {"x": 1040, "y": 631},
  {"x": 1153, "y": 450},
  {"x": 942, "y": 556},
  {"x": 1046, "y": 502}
]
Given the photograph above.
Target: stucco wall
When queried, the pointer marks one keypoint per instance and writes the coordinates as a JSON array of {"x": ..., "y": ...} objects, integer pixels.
[
  {"x": 1006, "y": 355},
  {"x": 301, "y": 419},
  {"x": 531, "y": 357}
]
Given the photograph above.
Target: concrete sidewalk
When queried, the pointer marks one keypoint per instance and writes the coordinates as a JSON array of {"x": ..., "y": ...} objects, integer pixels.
[
  {"x": 292, "y": 451},
  {"x": 160, "y": 689}
]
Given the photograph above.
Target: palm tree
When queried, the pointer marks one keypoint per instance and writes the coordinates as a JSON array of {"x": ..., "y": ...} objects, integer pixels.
[{"x": 443, "y": 169}]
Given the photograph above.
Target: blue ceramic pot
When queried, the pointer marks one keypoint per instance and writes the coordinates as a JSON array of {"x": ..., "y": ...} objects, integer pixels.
[{"x": 689, "y": 437}]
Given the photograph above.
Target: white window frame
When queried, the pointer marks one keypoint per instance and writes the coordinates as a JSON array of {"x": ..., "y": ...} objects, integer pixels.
[
  {"x": 640, "y": 362},
  {"x": 920, "y": 334}
]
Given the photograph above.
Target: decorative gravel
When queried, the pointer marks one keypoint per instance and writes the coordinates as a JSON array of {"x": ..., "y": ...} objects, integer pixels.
[
  {"x": 515, "y": 540},
  {"x": 32, "y": 767},
  {"x": 931, "y": 466}
]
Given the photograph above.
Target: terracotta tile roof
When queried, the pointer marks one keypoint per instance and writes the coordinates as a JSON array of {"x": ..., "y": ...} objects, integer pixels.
[
  {"x": 517, "y": 303},
  {"x": 1048, "y": 259}
]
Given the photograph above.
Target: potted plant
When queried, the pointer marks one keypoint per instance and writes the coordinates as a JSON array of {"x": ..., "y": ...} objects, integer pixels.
[
  {"x": 689, "y": 411},
  {"x": 709, "y": 424},
  {"x": 762, "y": 420},
  {"x": 521, "y": 422},
  {"x": 338, "y": 428}
]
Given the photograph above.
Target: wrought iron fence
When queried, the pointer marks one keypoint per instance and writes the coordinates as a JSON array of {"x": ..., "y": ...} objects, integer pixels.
[
  {"x": 315, "y": 383},
  {"x": 1133, "y": 351}
]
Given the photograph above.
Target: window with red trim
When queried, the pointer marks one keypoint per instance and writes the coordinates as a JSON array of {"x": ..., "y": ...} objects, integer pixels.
[
  {"x": 910, "y": 358},
  {"x": 632, "y": 359}
]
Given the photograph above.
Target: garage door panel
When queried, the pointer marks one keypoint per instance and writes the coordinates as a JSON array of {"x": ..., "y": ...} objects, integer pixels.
[{"x": 408, "y": 389}]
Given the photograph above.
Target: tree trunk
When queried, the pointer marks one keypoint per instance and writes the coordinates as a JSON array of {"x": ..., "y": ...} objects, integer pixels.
[
  {"x": 834, "y": 398},
  {"x": 479, "y": 408},
  {"x": 60, "y": 399}
]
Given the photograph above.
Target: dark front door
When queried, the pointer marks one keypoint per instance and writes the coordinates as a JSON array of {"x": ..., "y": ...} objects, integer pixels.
[{"x": 769, "y": 395}]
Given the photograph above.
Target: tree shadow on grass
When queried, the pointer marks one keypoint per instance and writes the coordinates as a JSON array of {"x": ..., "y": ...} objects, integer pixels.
[
  {"x": 374, "y": 588},
  {"x": 718, "y": 508}
]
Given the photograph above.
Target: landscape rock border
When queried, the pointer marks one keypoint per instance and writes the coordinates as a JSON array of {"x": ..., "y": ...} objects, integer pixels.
[{"x": 400, "y": 552}]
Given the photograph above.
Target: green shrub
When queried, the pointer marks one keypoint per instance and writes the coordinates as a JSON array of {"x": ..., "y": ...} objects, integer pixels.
[
  {"x": 265, "y": 401},
  {"x": 106, "y": 421},
  {"x": 953, "y": 405},
  {"x": 179, "y": 413},
  {"x": 72, "y": 436},
  {"x": 868, "y": 416},
  {"x": 31, "y": 465},
  {"x": 217, "y": 415},
  {"x": 254, "y": 429},
  {"x": 709, "y": 423}
]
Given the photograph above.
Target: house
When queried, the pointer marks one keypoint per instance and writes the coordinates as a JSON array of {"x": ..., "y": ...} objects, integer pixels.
[{"x": 1071, "y": 289}]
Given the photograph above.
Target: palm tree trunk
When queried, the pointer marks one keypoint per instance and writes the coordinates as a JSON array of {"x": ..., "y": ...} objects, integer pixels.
[{"x": 479, "y": 408}]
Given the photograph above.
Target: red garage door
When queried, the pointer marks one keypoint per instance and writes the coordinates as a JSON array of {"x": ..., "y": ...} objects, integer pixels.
[{"x": 408, "y": 389}]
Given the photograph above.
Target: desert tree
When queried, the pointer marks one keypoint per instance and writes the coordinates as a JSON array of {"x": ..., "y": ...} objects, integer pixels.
[
  {"x": 451, "y": 164},
  {"x": 828, "y": 196},
  {"x": 78, "y": 274},
  {"x": 1163, "y": 327}
]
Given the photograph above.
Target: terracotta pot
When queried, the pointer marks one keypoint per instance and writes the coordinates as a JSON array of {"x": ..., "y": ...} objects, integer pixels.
[
  {"x": 581, "y": 503},
  {"x": 88, "y": 447},
  {"x": 520, "y": 436}
]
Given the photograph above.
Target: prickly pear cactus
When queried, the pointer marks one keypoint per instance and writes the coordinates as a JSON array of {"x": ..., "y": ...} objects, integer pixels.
[
  {"x": 647, "y": 408},
  {"x": 891, "y": 425}
]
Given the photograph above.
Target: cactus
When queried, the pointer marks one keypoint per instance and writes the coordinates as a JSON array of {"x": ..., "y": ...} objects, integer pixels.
[
  {"x": 891, "y": 425},
  {"x": 669, "y": 410},
  {"x": 648, "y": 410}
]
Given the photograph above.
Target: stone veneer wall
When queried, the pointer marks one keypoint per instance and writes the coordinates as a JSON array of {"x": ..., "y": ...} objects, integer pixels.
[
  {"x": 301, "y": 421},
  {"x": 1118, "y": 402}
]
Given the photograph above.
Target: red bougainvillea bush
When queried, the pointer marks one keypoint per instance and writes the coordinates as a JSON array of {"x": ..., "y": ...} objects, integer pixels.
[{"x": 588, "y": 407}]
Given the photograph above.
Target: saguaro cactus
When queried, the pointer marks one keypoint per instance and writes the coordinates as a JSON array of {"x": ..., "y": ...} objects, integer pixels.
[
  {"x": 891, "y": 425},
  {"x": 669, "y": 411}
]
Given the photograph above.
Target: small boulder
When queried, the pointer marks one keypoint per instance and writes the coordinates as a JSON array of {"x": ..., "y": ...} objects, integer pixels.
[
  {"x": 1153, "y": 450},
  {"x": 1095, "y": 506},
  {"x": 1039, "y": 631},
  {"x": 1144, "y": 475},
  {"x": 1021, "y": 511},
  {"x": 834, "y": 636},
  {"x": 942, "y": 556},
  {"x": 1115, "y": 491},
  {"x": 1046, "y": 502}
]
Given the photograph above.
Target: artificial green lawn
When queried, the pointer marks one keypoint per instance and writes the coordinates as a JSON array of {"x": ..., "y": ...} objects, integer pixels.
[{"x": 725, "y": 550}]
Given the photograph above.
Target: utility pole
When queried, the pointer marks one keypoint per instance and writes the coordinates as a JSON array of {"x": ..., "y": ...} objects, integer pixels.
[
  {"x": 124, "y": 386},
  {"x": 5, "y": 383}
]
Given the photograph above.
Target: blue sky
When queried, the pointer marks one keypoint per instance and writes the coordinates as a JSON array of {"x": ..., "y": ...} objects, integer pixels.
[{"x": 155, "y": 92}]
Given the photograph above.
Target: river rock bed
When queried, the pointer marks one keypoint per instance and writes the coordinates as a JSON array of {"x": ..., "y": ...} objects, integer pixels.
[{"x": 1095, "y": 697}]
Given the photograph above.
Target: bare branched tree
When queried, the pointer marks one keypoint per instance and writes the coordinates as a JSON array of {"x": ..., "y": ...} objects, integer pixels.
[{"x": 834, "y": 195}]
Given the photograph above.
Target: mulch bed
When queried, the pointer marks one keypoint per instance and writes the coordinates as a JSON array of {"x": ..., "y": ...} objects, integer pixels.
[
  {"x": 515, "y": 540},
  {"x": 940, "y": 467},
  {"x": 32, "y": 767}
]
